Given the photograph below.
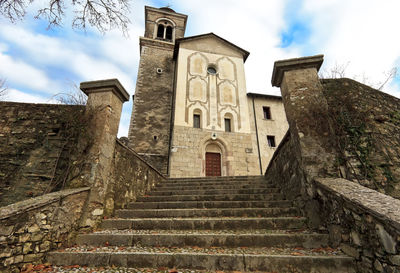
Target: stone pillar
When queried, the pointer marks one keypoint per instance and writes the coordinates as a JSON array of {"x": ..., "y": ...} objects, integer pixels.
[
  {"x": 307, "y": 112},
  {"x": 105, "y": 99}
]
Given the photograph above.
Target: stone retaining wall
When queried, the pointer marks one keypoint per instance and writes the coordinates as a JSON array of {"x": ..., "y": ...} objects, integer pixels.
[
  {"x": 286, "y": 170},
  {"x": 131, "y": 178},
  {"x": 31, "y": 228},
  {"x": 32, "y": 139},
  {"x": 366, "y": 125},
  {"x": 364, "y": 223}
]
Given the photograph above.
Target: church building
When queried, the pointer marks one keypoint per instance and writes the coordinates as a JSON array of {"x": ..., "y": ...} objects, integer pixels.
[{"x": 192, "y": 115}]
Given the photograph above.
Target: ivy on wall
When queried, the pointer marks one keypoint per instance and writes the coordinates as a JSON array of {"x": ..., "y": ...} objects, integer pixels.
[{"x": 366, "y": 123}]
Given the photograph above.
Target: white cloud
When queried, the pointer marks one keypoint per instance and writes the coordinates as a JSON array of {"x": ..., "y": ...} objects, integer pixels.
[
  {"x": 19, "y": 96},
  {"x": 361, "y": 33},
  {"x": 254, "y": 26},
  {"x": 83, "y": 58},
  {"x": 23, "y": 74}
]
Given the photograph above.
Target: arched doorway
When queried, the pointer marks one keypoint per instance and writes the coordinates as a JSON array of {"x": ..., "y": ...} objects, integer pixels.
[{"x": 213, "y": 160}]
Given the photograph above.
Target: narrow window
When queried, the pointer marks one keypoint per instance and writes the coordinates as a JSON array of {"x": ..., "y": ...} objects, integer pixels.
[
  {"x": 160, "y": 31},
  {"x": 168, "y": 33},
  {"x": 196, "y": 121},
  {"x": 267, "y": 112},
  {"x": 271, "y": 141},
  {"x": 228, "y": 125}
]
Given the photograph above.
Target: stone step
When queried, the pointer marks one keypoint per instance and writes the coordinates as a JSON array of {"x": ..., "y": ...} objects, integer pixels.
[
  {"x": 213, "y": 192},
  {"x": 240, "y": 223},
  {"x": 221, "y": 197},
  {"x": 210, "y": 204},
  {"x": 227, "y": 212},
  {"x": 211, "y": 183},
  {"x": 161, "y": 187},
  {"x": 219, "y": 178},
  {"x": 114, "y": 269},
  {"x": 211, "y": 239},
  {"x": 249, "y": 259}
]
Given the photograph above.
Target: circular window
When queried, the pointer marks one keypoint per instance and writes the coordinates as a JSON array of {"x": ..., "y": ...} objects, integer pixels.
[{"x": 211, "y": 70}]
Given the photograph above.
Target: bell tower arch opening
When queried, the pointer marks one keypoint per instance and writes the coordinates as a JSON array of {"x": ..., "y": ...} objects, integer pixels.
[{"x": 164, "y": 29}]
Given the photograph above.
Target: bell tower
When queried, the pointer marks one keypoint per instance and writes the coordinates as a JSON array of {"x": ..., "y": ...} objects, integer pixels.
[{"x": 150, "y": 127}]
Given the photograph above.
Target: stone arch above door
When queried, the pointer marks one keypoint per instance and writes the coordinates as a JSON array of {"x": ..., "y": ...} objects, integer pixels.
[{"x": 215, "y": 146}]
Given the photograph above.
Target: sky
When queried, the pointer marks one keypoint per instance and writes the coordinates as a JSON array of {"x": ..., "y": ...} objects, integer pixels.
[{"x": 360, "y": 36}]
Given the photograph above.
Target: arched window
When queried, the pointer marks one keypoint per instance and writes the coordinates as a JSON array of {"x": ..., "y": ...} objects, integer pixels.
[
  {"x": 228, "y": 122},
  {"x": 168, "y": 33},
  {"x": 160, "y": 31},
  {"x": 197, "y": 118}
]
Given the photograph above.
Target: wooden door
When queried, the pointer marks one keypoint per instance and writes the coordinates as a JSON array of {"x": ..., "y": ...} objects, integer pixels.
[{"x": 213, "y": 164}]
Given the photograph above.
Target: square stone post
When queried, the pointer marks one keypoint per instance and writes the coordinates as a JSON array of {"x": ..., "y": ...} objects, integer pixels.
[
  {"x": 105, "y": 99},
  {"x": 307, "y": 112}
]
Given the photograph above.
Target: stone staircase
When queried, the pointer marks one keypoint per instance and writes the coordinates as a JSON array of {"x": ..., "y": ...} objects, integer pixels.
[{"x": 211, "y": 224}]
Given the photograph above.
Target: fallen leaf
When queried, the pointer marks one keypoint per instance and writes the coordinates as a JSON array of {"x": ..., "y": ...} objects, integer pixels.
[{"x": 297, "y": 254}]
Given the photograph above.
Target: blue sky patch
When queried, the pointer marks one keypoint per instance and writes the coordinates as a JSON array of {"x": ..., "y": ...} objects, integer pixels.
[
  {"x": 298, "y": 28},
  {"x": 296, "y": 34}
]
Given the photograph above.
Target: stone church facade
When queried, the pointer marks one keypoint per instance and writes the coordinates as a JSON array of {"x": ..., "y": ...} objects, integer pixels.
[{"x": 192, "y": 115}]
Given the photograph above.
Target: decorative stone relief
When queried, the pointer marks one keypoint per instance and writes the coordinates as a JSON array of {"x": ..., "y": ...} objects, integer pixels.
[
  {"x": 227, "y": 91},
  {"x": 197, "y": 90}
]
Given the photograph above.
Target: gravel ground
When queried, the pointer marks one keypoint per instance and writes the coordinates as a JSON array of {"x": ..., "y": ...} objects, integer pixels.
[
  {"x": 122, "y": 270},
  {"x": 298, "y": 251},
  {"x": 76, "y": 268}
]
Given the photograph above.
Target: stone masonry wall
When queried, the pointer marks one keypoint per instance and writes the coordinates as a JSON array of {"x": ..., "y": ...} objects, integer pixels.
[
  {"x": 367, "y": 132},
  {"x": 286, "y": 171},
  {"x": 239, "y": 153},
  {"x": 31, "y": 228},
  {"x": 364, "y": 223},
  {"x": 149, "y": 131},
  {"x": 132, "y": 177},
  {"x": 32, "y": 148}
]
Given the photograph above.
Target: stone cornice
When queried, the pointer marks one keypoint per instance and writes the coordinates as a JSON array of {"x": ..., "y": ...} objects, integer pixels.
[
  {"x": 294, "y": 64},
  {"x": 156, "y": 43},
  {"x": 105, "y": 85}
]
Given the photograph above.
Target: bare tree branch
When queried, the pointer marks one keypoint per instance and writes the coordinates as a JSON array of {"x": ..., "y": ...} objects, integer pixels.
[
  {"x": 101, "y": 14},
  {"x": 339, "y": 71},
  {"x": 13, "y": 9},
  {"x": 73, "y": 97},
  {"x": 391, "y": 74},
  {"x": 336, "y": 72}
]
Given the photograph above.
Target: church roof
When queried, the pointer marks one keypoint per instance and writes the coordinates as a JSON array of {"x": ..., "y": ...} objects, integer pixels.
[
  {"x": 264, "y": 96},
  {"x": 245, "y": 53}
]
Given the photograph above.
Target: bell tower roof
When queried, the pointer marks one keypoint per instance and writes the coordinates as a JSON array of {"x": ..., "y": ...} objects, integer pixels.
[{"x": 167, "y": 9}]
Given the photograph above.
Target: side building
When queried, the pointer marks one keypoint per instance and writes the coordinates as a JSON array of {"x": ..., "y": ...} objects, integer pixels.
[{"x": 192, "y": 115}]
